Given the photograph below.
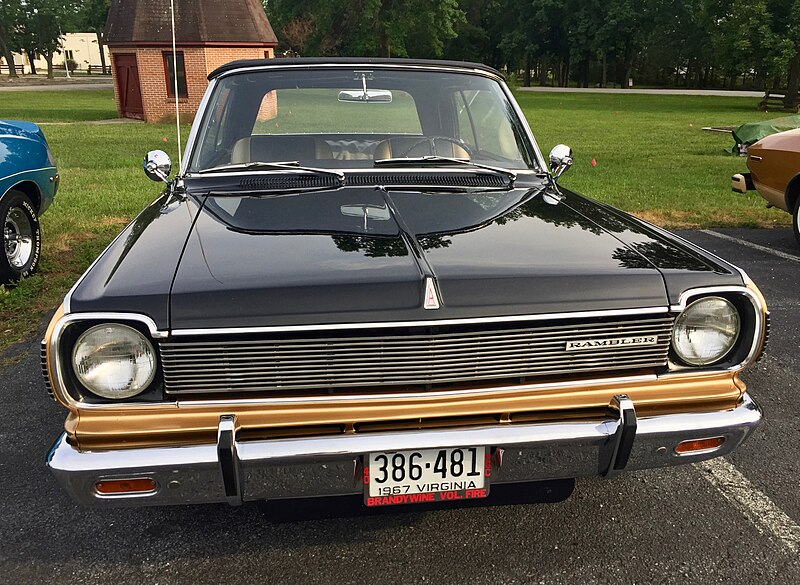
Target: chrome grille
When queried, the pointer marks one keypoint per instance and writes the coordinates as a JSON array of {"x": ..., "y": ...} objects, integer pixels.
[{"x": 411, "y": 357}]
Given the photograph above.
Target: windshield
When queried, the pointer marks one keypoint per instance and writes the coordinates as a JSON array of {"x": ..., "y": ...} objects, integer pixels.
[{"x": 355, "y": 118}]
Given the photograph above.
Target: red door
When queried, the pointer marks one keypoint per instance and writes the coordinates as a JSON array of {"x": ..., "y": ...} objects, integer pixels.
[{"x": 130, "y": 93}]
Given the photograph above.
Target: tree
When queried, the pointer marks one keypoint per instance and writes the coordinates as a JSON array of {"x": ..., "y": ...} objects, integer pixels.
[
  {"x": 92, "y": 17},
  {"x": 45, "y": 32},
  {"x": 10, "y": 12},
  {"x": 399, "y": 28},
  {"x": 35, "y": 27}
]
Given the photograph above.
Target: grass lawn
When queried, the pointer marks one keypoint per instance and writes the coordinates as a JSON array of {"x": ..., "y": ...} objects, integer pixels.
[
  {"x": 58, "y": 106},
  {"x": 652, "y": 159}
]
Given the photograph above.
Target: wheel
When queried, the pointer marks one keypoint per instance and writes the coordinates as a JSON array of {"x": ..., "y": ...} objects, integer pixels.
[
  {"x": 431, "y": 140},
  {"x": 796, "y": 218},
  {"x": 22, "y": 238}
]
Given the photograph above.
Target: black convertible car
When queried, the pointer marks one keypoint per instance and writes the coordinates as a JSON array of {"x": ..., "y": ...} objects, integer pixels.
[{"x": 366, "y": 280}]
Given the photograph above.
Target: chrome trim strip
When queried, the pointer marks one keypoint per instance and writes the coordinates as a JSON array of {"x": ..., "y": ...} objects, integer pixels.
[
  {"x": 759, "y": 310},
  {"x": 23, "y": 173},
  {"x": 517, "y": 389},
  {"x": 356, "y": 65},
  {"x": 543, "y": 166},
  {"x": 425, "y": 323},
  {"x": 188, "y": 150}
]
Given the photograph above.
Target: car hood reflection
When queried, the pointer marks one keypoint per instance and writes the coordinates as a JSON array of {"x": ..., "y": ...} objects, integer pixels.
[{"x": 533, "y": 257}]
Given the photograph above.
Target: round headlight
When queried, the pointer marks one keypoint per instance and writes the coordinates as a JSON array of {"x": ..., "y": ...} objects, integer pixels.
[
  {"x": 706, "y": 331},
  {"x": 114, "y": 361}
]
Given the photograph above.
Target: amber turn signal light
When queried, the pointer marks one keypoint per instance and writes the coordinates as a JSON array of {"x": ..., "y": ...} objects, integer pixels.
[
  {"x": 688, "y": 447},
  {"x": 112, "y": 487}
]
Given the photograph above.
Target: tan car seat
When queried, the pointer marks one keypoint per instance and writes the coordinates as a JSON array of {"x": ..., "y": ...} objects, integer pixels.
[
  {"x": 268, "y": 148},
  {"x": 413, "y": 146}
]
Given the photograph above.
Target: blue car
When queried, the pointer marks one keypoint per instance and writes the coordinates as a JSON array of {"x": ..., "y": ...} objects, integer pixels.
[{"x": 28, "y": 183}]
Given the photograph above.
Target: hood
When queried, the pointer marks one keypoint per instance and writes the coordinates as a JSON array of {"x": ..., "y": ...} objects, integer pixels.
[
  {"x": 308, "y": 259},
  {"x": 135, "y": 272}
]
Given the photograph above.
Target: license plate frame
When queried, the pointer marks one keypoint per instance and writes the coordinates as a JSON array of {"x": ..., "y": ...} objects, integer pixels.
[{"x": 431, "y": 485}]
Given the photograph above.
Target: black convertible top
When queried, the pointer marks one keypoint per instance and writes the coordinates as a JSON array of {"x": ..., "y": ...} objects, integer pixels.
[{"x": 310, "y": 61}]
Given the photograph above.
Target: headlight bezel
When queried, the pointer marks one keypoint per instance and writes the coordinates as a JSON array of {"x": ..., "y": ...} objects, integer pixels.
[
  {"x": 78, "y": 391},
  {"x": 751, "y": 328}
]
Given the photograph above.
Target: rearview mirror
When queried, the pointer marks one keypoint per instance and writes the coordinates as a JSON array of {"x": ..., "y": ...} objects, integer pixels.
[
  {"x": 380, "y": 96},
  {"x": 367, "y": 211}
]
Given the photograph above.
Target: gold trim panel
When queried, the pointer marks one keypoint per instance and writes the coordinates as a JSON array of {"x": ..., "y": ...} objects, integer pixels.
[{"x": 187, "y": 423}]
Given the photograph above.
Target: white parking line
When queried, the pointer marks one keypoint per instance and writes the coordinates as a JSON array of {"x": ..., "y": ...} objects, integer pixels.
[
  {"x": 762, "y": 512},
  {"x": 759, "y": 247}
]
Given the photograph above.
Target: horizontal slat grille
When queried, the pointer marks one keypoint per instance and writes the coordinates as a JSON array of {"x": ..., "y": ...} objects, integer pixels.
[{"x": 427, "y": 357}]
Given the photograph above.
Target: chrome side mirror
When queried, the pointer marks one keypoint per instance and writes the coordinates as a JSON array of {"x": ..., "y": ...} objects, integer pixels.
[
  {"x": 157, "y": 165},
  {"x": 560, "y": 160}
]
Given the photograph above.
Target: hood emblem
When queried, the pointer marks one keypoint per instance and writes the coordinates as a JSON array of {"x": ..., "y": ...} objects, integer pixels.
[
  {"x": 431, "y": 296},
  {"x": 583, "y": 344}
]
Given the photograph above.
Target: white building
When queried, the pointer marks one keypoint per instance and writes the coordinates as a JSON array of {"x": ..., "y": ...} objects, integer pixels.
[{"x": 80, "y": 47}]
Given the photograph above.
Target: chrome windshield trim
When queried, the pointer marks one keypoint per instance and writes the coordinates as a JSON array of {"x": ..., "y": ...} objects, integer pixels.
[
  {"x": 422, "y": 323},
  {"x": 363, "y": 65},
  {"x": 543, "y": 167},
  {"x": 188, "y": 151},
  {"x": 199, "y": 119}
]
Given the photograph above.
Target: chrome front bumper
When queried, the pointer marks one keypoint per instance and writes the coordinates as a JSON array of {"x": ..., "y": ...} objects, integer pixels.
[{"x": 234, "y": 471}]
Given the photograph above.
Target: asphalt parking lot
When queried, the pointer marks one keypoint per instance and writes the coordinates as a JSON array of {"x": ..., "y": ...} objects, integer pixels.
[{"x": 733, "y": 522}]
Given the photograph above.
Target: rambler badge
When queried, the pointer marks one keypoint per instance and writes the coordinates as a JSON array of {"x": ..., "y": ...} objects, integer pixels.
[{"x": 584, "y": 344}]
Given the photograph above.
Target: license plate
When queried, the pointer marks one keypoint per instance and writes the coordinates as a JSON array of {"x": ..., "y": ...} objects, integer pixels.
[{"x": 426, "y": 475}]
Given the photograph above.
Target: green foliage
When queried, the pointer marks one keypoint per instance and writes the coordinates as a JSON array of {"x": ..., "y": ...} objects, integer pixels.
[
  {"x": 668, "y": 42},
  {"x": 35, "y": 26},
  {"x": 397, "y": 28},
  {"x": 91, "y": 16}
]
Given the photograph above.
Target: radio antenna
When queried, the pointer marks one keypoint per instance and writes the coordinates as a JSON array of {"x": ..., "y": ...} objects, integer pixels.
[{"x": 175, "y": 88}]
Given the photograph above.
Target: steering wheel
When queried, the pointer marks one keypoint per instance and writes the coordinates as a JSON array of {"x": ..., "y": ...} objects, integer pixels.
[{"x": 431, "y": 140}]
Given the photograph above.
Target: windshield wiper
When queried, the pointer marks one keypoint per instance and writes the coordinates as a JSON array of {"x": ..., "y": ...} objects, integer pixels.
[
  {"x": 435, "y": 159},
  {"x": 274, "y": 166}
]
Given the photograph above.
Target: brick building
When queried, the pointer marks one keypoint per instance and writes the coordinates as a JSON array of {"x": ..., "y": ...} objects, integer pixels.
[{"x": 208, "y": 34}]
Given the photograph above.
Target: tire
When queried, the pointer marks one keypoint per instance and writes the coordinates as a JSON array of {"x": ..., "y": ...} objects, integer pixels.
[
  {"x": 796, "y": 218},
  {"x": 21, "y": 238}
]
